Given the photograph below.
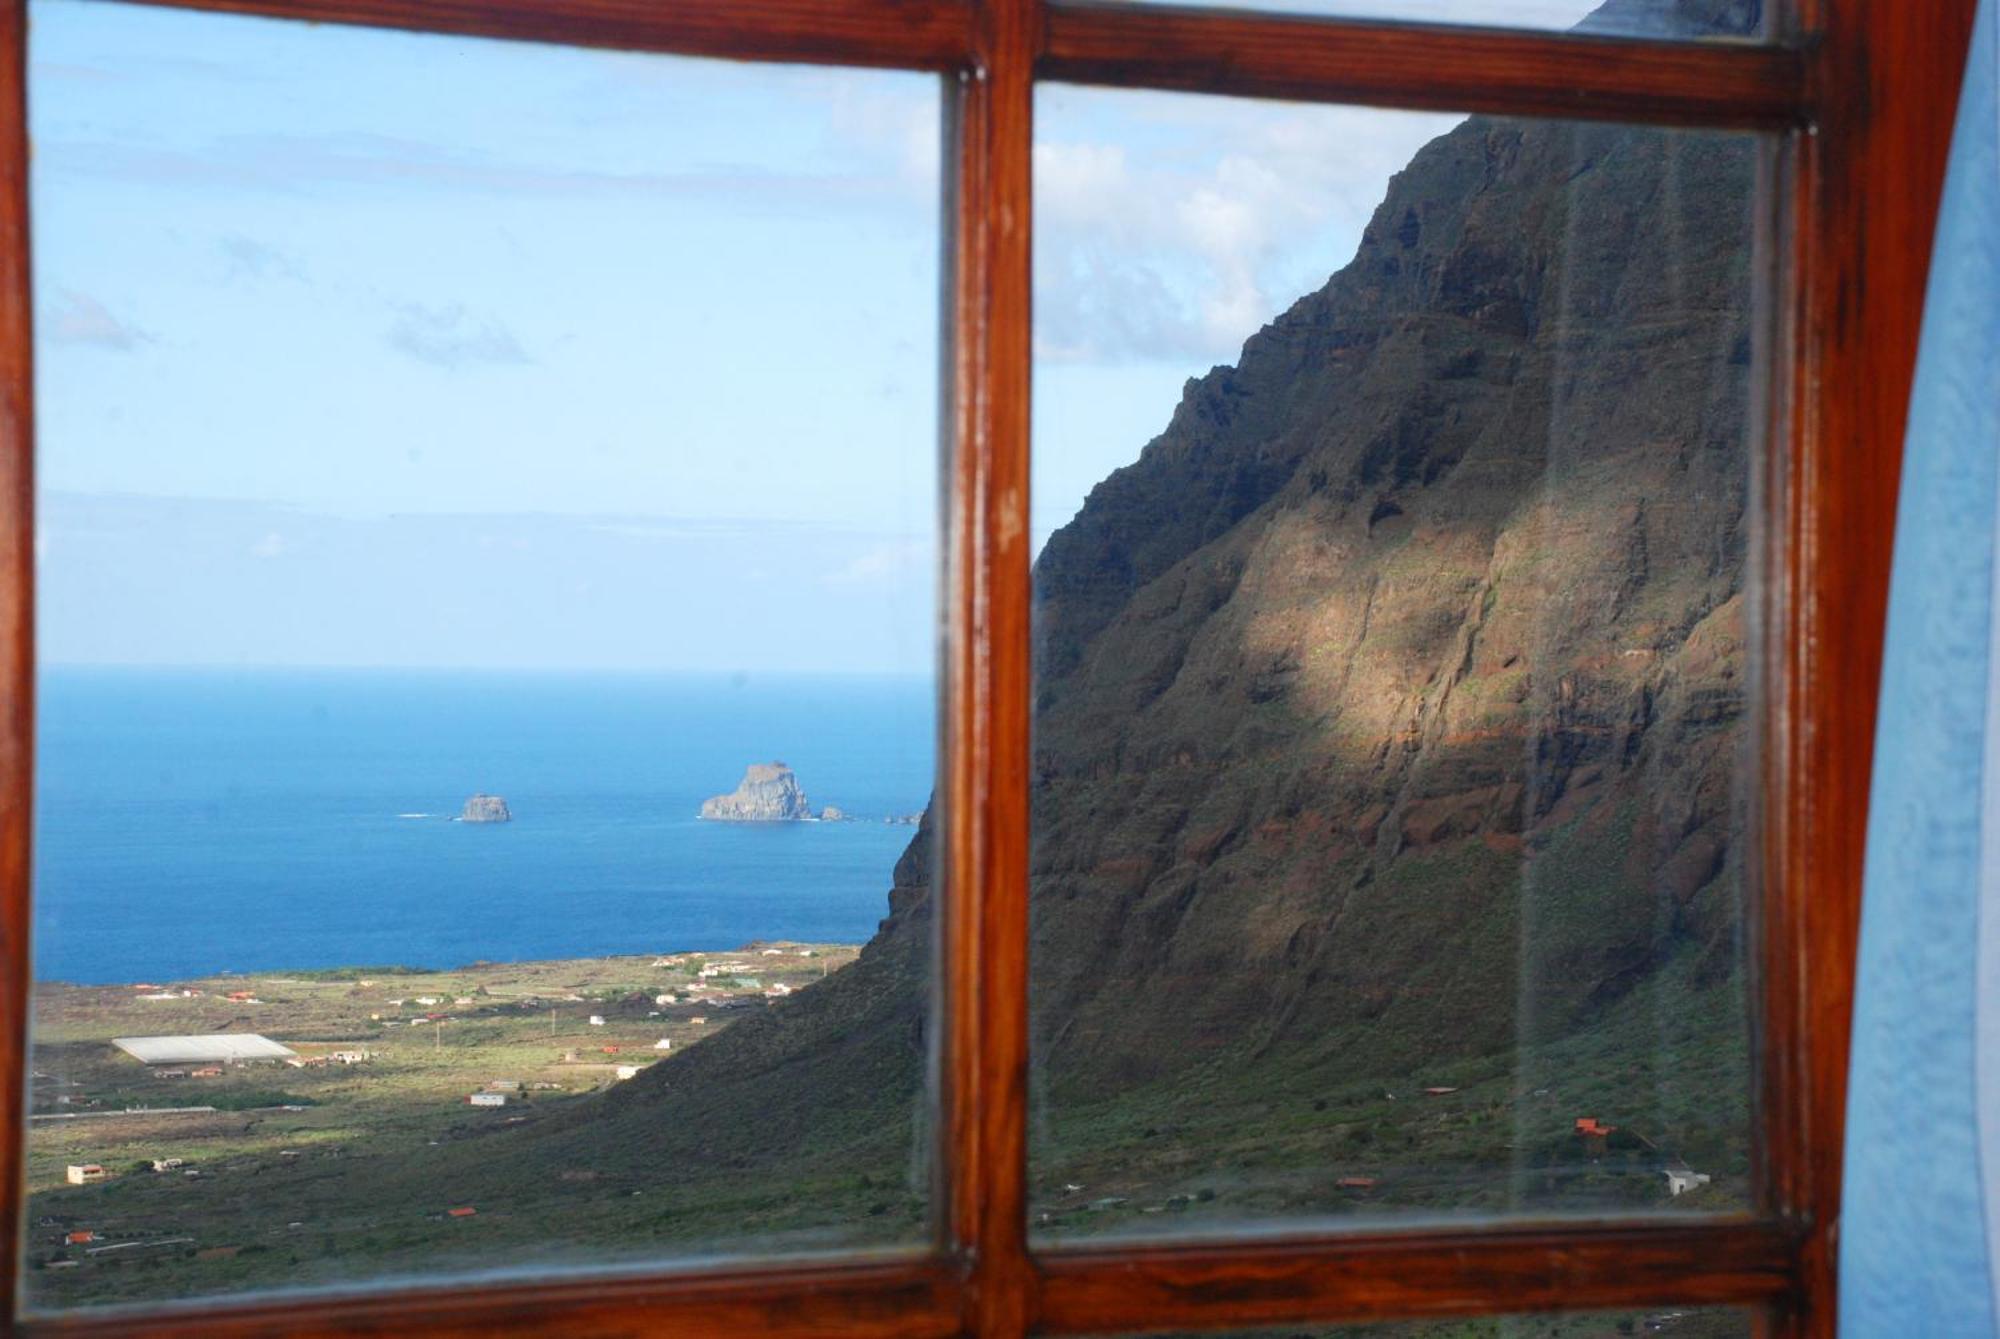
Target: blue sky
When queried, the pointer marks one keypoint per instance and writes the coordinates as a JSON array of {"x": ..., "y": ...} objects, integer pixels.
[{"x": 379, "y": 349}]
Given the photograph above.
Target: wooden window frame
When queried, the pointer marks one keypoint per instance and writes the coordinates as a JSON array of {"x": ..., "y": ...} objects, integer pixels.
[{"x": 1859, "y": 96}]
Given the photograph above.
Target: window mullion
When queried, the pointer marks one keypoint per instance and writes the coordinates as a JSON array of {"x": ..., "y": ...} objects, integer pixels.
[
  {"x": 1435, "y": 68},
  {"x": 983, "y": 916}
]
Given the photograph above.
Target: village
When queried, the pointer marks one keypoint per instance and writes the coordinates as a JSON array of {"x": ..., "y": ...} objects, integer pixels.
[{"x": 177, "y": 1086}]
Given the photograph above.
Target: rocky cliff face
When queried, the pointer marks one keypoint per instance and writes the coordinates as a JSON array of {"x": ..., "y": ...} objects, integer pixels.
[
  {"x": 1398, "y": 683},
  {"x": 483, "y": 808},
  {"x": 768, "y": 793}
]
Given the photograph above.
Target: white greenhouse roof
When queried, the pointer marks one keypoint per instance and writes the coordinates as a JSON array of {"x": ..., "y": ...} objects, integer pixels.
[{"x": 217, "y": 1046}]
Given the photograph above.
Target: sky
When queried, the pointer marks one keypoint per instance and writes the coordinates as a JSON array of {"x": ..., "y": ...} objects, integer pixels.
[{"x": 380, "y": 349}]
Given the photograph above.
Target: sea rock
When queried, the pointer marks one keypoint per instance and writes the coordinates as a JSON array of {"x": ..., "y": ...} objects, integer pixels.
[
  {"x": 484, "y": 808},
  {"x": 833, "y": 813},
  {"x": 768, "y": 793}
]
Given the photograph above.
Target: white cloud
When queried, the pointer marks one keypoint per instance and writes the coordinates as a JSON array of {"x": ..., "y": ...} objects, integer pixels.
[
  {"x": 1172, "y": 227},
  {"x": 451, "y": 337},
  {"x": 248, "y": 258},
  {"x": 78, "y": 318},
  {"x": 884, "y": 562}
]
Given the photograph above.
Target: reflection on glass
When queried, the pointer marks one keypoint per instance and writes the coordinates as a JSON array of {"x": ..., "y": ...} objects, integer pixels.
[
  {"x": 1393, "y": 703},
  {"x": 1657, "y": 19},
  {"x": 467, "y": 469}
]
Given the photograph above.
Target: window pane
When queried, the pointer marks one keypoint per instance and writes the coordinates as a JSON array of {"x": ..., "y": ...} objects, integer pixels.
[
  {"x": 1393, "y": 711},
  {"x": 466, "y": 468},
  {"x": 1658, "y": 19}
]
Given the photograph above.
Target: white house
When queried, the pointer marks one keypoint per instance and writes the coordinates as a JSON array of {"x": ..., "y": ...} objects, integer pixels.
[
  {"x": 597, "y": 1020},
  {"x": 488, "y": 1099},
  {"x": 1680, "y": 1180},
  {"x": 663, "y": 1044}
]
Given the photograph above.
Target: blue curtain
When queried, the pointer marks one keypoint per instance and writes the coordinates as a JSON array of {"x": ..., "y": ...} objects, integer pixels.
[{"x": 1921, "y": 1225}]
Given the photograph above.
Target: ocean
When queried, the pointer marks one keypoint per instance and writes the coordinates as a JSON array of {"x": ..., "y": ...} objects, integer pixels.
[{"x": 196, "y": 821}]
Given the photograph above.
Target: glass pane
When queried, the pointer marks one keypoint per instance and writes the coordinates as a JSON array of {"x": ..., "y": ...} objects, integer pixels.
[
  {"x": 466, "y": 469},
  {"x": 1679, "y": 1322},
  {"x": 1393, "y": 703},
  {"x": 1658, "y": 19}
]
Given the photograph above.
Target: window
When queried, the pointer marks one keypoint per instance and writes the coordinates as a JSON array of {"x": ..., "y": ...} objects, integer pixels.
[
  {"x": 1849, "y": 111},
  {"x": 392, "y": 724},
  {"x": 1395, "y": 714}
]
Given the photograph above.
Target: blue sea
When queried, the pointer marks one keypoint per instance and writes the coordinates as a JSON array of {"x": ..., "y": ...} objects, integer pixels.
[{"x": 191, "y": 822}]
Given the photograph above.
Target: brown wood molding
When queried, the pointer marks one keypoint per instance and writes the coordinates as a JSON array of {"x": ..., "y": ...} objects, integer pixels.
[
  {"x": 1456, "y": 1271},
  {"x": 903, "y": 34},
  {"x": 1275, "y": 55},
  {"x": 1864, "y": 196},
  {"x": 857, "y": 1299},
  {"x": 983, "y": 918}
]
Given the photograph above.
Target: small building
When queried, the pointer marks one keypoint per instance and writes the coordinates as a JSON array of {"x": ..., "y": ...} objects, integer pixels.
[
  {"x": 487, "y": 1099},
  {"x": 1682, "y": 1179},
  {"x": 699, "y": 1021},
  {"x": 1439, "y": 1092},
  {"x": 168, "y": 1164},
  {"x": 466, "y": 1212},
  {"x": 663, "y": 1044},
  {"x": 206, "y": 1072},
  {"x": 503, "y": 1085},
  {"x": 230, "y": 1048},
  {"x": 350, "y": 1057},
  {"x": 1594, "y": 1133},
  {"x": 1356, "y": 1183},
  {"x": 627, "y": 1071},
  {"x": 84, "y": 1173},
  {"x": 597, "y": 1020},
  {"x": 81, "y": 1238}
]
